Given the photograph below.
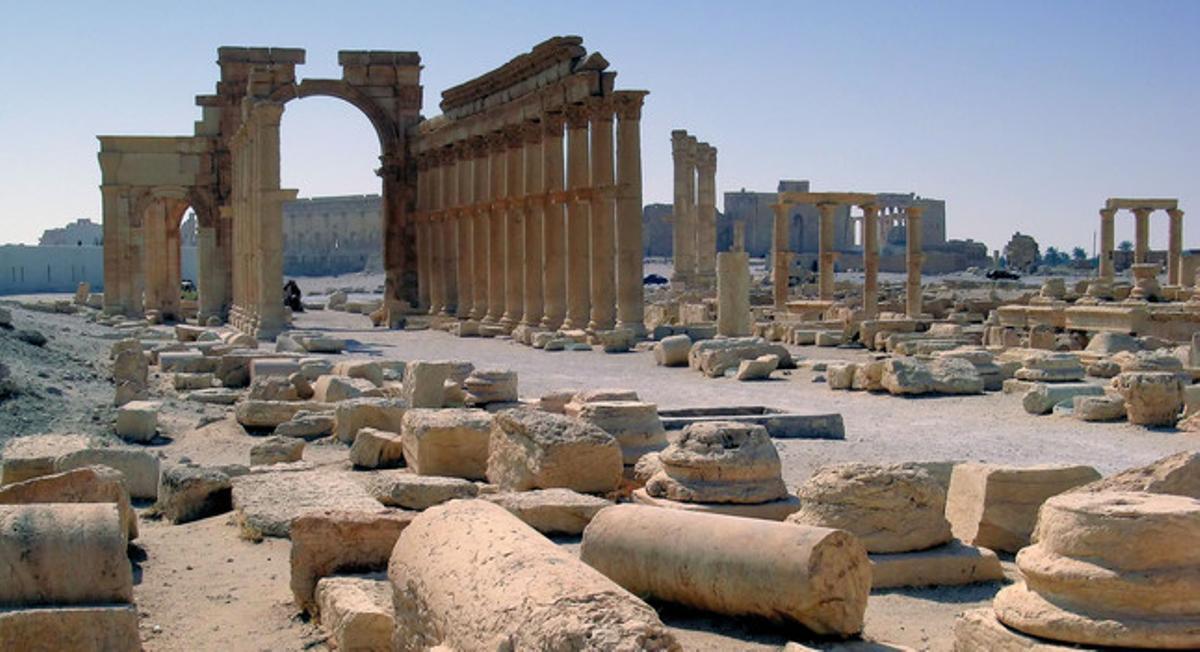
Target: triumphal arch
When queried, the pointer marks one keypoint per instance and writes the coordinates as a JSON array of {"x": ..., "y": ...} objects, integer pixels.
[{"x": 482, "y": 217}]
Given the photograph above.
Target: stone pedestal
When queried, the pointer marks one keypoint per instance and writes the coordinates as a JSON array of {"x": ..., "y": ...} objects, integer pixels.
[{"x": 733, "y": 294}]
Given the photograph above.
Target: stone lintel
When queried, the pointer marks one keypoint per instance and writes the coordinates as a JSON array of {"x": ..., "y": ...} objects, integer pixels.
[
  {"x": 555, "y": 57},
  {"x": 378, "y": 58},
  {"x": 1118, "y": 203},
  {"x": 848, "y": 198},
  {"x": 267, "y": 55}
]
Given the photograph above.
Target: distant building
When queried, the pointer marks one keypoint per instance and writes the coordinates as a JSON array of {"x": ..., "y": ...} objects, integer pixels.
[
  {"x": 78, "y": 233},
  {"x": 325, "y": 236},
  {"x": 1022, "y": 253}
]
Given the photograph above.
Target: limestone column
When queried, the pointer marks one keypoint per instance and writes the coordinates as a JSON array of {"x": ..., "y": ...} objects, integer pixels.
[
  {"x": 1107, "y": 242},
  {"x": 870, "y": 231},
  {"x": 706, "y": 215},
  {"x": 914, "y": 259},
  {"x": 154, "y": 228},
  {"x": 270, "y": 222},
  {"x": 681, "y": 234},
  {"x": 1141, "y": 235},
  {"x": 437, "y": 261},
  {"x": 479, "y": 217},
  {"x": 630, "y": 297},
  {"x": 532, "y": 313},
  {"x": 603, "y": 226},
  {"x": 733, "y": 294},
  {"x": 825, "y": 252},
  {"x": 465, "y": 231},
  {"x": 496, "y": 187},
  {"x": 1175, "y": 248},
  {"x": 554, "y": 276},
  {"x": 578, "y": 212},
  {"x": 781, "y": 256},
  {"x": 739, "y": 236},
  {"x": 449, "y": 230},
  {"x": 514, "y": 228},
  {"x": 693, "y": 146},
  {"x": 206, "y": 251}
]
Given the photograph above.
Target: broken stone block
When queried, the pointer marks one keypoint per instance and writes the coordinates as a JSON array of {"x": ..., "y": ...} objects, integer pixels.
[
  {"x": 266, "y": 503},
  {"x": 531, "y": 449},
  {"x": 634, "y": 424},
  {"x": 329, "y": 541},
  {"x": 759, "y": 368},
  {"x": 353, "y": 415},
  {"x": 331, "y": 389},
  {"x": 276, "y": 450},
  {"x": 90, "y": 484},
  {"x": 868, "y": 376},
  {"x": 890, "y": 508},
  {"x": 138, "y": 468},
  {"x": 273, "y": 388},
  {"x": 357, "y": 612},
  {"x": 551, "y": 511},
  {"x": 573, "y": 406},
  {"x": 376, "y": 449},
  {"x": 715, "y": 357},
  {"x": 719, "y": 462},
  {"x": 410, "y": 491},
  {"x": 996, "y": 507},
  {"x": 1177, "y": 474},
  {"x": 1152, "y": 398},
  {"x": 491, "y": 386},
  {"x": 817, "y": 577},
  {"x": 269, "y": 414},
  {"x": 1111, "y": 569},
  {"x": 307, "y": 425},
  {"x": 951, "y": 564},
  {"x": 828, "y": 338},
  {"x": 616, "y": 341},
  {"x": 440, "y": 600},
  {"x": 214, "y": 396},
  {"x": 22, "y": 458},
  {"x": 111, "y": 628},
  {"x": 450, "y": 443},
  {"x": 840, "y": 375},
  {"x": 906, "y": 376},
  {"x": 138, "y": 421},
  {"x": 424, "y": 383},
  {"x": 1098, "y": 408},
  {"x": 1103, "y": 368},
  {"x": 1051, "y": 368},
  {"x": 183, "y": 381},
  {"x": 365, "y": 369},
  {"x": 1147, "y": 361},
  {"x": 279, "y": 367},
  {"x": 672, "y": 351},
  {"x": 63, "y": 554},
  {"x": 185, "y": 362},
  {"x": 1107, "y": 344},
  {"x": 955, "y": 376},
  {"x": 189, "y": 493},
  {"x": 1042, "y": 398},
  {"x": 455, "y": 396}
]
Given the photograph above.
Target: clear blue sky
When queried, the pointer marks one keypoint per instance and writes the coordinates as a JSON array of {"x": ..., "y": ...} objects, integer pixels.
[{"x": 1021, "y": 115}]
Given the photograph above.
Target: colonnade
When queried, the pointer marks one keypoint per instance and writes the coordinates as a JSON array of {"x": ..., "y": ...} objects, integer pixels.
[
  {"x": 827, "y": 204},
  {"x": 694, "y": 214},
  {"x": 1142, "y": 209},
  {"x": 512, "y": 231}
]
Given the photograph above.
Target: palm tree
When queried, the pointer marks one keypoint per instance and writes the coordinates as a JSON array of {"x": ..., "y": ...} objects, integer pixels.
[
  {"x": 1125, "y": 246},
  {"x": 1079, "y": 253}
]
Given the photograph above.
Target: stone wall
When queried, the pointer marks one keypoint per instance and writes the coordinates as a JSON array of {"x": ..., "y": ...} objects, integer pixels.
[
  {"x": 28, "y": 269},
  {"x": 80, "y": 232},
  {"x": 331, "y": 235}
]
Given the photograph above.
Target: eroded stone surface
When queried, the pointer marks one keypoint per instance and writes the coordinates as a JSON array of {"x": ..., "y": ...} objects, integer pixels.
[
  {"x": 719, "y": 462},
  {"x": 268, "y": 502},
  {"x": 531, "y": 449}
]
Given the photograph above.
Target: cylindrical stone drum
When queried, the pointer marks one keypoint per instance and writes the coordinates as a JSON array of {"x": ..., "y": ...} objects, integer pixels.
[
  {"x": 815, "y": 576},
  {"x": 471, "y": 576},
  {"x": 63, "y": 554}
]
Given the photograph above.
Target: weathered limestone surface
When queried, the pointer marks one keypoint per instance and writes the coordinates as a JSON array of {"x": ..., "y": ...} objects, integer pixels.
[
  {"x": 331, "y": 389},
  {"x": 383, "y": 413},
  {"x": 531, "y": 449},
  {"x": 1152, "y": 398},
  {"x": 447, "y": 442},
  {"x": 714, "y": 357},
  {"x": 947, "y": 565},
  {"x": 89, "y": 484},
  {"x": 409, "y": 491},
  {"x": 139, "y": 468},
  {"x": 979, "y": 629},
  {"x": 1042, "y": 398},
  {"x": 308, "y": 425},
  {"x": 1112, "y": 569},
  {"x": 1177, "y": 474},
  {"x": 28, "y": 457},
  {"x": 325, "y": 542},
  {"x": 494, "y": 386},
  {"x": 1098, "y": 408},
  {"x": 759, "y": 368},
  {"x": 110, "y": 628},
  {"x": 357, "y": 613},
  {"x": 1051, "y": 368},
  {"x": 63, "y": 554},
  {"x": 733, "y": 293},
  {"x": 580, "y": 398},
  {"x": 276, "y": 450},
  {"x": 423, "y": 383},
  {"x": 469, "y": 575},
  {"x": 268, "y": 502},
  {"x": 774, "y": 510},
  {"x": 814, "y": 576},
  {"x": 634, "y": 424},
  {"x": 377, "y": 449},
  {"x": 138, "y": 420},
  {"x": 269, "y": 414},
  {"x": 672, "y": 351},
  {"x": 996, "y": 507},
  {"x": 892, "y": 508},
  {"x": 551, "y": 511},
  {"x": 719, "y": 462}
]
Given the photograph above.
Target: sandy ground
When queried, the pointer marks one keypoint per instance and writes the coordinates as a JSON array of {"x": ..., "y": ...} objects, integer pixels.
[{"x": 202, "y": 587}]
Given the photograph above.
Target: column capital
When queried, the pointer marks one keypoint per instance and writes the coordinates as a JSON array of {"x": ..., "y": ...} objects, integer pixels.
[
  {"x": 1175, "y": 213},
  {"x": 706, "y": 158},
  {"x": 913, "y": 212},
  {"x": 531, "y": 132},
  {"x": 628, "y": 104},
  {"x": 462, "y": 150},
  {"x": 495, "y": 141},
  {"x": 1108, "y": 213},
  {"x": 268, "y": 112},
  {"x": 577, "y": 116},
  {"x": 514, "y": 136},
  {"x": 601, "y": 108},
  {"x": 478, "y": 146},
  {"x": 827, "y": 207},
  {"x": 423, "y": 161},
  {"x": 869, "y": 209},
  {"x": 1142, "y": 213},
  {"x": 553, "y": 122},
  {"x": 446, "y": 155}
]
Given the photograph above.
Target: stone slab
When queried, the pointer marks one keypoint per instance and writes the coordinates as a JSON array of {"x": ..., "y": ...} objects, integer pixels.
[
  {"x": 779, "y": 424},
  {"x": 948, "y": 565},
  {"x": 267, "y": 502},
  {"x": 776, "y": 510},
  {"x": 979, "y": 629},
  {"x": 356, "y": 612},
  {"x": 111, "y": 628}
]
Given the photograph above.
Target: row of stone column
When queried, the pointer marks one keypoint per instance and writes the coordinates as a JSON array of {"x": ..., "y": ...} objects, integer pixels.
[
  {"x": 257, "y": 213},
  {"x": 512, "y": 232},
  {"x": 1141, "y": 241},
  {"x": 827, "y": 256},
  {"x": 694, "y": 214}
]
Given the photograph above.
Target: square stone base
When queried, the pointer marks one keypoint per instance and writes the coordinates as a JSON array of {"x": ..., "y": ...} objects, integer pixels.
[
  {"x": 776, "y": 510},
  {"x": 111, "y": 628},
  {"x": 978, "y": 629},
  {"x": 949, "y": 565}
]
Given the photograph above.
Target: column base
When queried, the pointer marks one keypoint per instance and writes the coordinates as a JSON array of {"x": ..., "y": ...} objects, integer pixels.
[
  {"x": 637, "y": 328},
  {"x": 552, "y": 323}
]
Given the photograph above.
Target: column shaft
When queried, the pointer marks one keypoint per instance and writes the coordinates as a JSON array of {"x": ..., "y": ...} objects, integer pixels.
[
  {"x": 682, "y": 235},
  {"x": 554, "y": 276},
  {"x": 466, "y": 232},
  {"x": 578, "y": 211},
  {"x": 479, "y": 217},
  {"x": 870, "y": 233},
  {"x": 630, "y": 297},
  {"x": 781, "y": 256},
  {"x": 603, "y": 236},
  {"x": 534, "y": 201},
  {"x": 825, "y": 250},
  {"x": 706, "y": 215},
  {"x": 514, "y": 228},
  {"x": 1175, "y": 248},
  {"x": 913, "y": 260},
  {"x": 1107, "y": 242},
  {"x": 1141, "y": 235},
  {"x": 437, "y": 256},
  {"x": 496, "y": 244},
  {"x": 449, "y": 230}
]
